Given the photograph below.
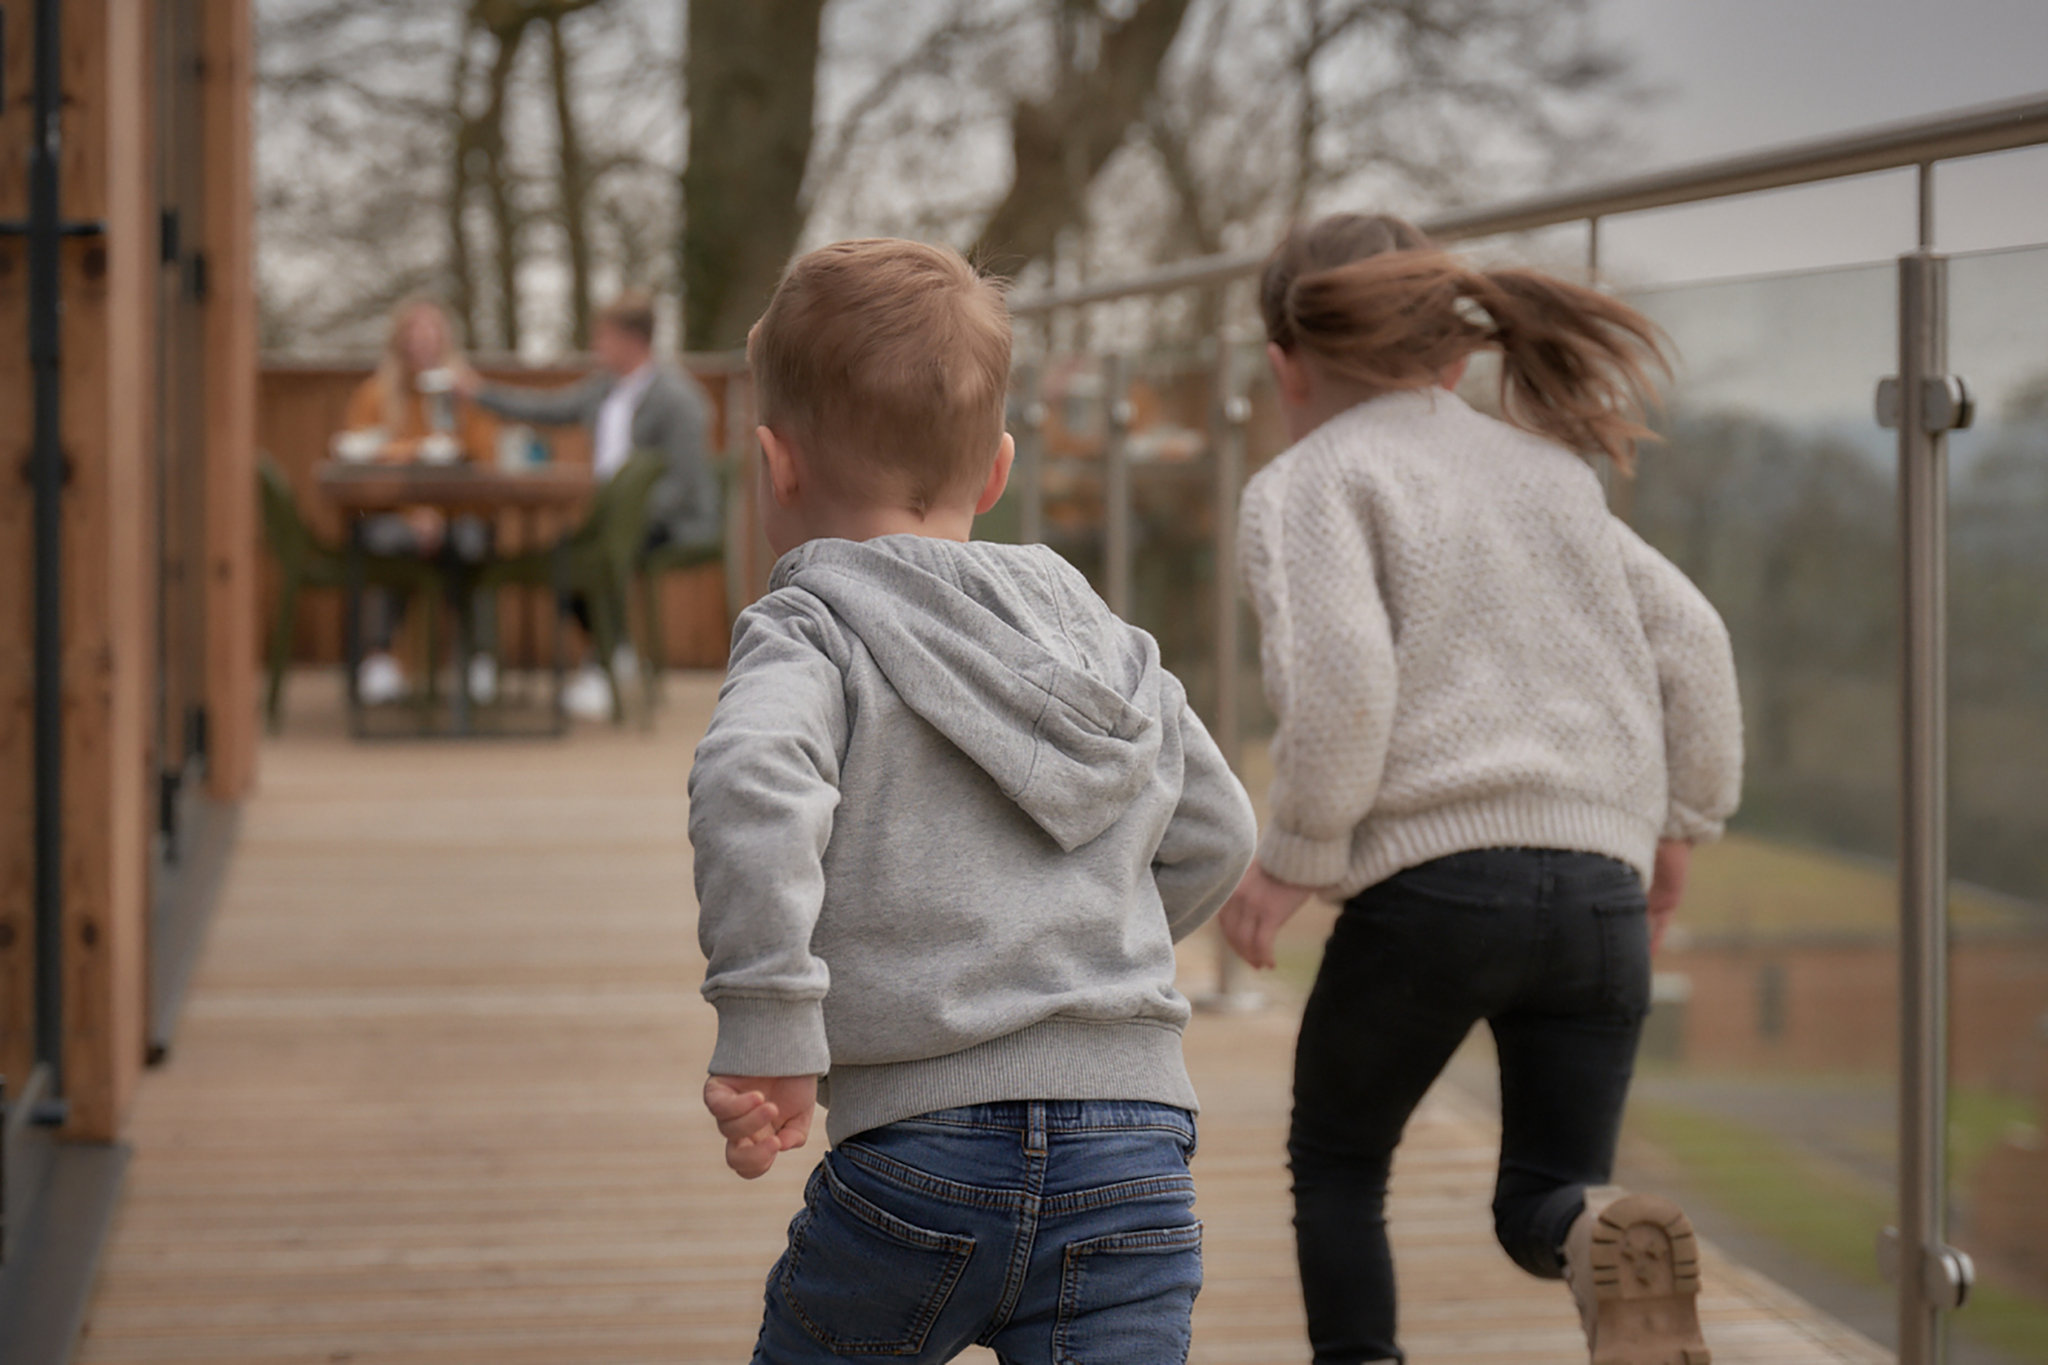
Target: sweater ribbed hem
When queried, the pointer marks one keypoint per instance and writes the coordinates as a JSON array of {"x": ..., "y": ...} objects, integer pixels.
[
  {"x": 1302, "y": 861},
  {"x": 1385, "y": 845},
  {"x": 769, "y": 1036},
  {"x": 1057, "y": 1059}
]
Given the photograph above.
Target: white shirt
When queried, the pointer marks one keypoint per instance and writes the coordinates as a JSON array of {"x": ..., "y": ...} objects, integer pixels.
[{"x": 612, "y": 439}]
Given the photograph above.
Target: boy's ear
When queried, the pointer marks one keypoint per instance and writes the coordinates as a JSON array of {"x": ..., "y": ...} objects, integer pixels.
[
  {"x": 998, "y": 475},
  {"x": 778, "y": 458}
]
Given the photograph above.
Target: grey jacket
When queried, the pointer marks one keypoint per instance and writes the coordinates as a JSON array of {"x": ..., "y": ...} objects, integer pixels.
[
  {"x": 950, "y": 818},
  {"x": 670, "y": 419}
]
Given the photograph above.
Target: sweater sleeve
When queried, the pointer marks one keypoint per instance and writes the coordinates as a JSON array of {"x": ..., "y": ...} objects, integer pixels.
[
  {"x": 1696, "y": 679},
  {"x": 365, "y": 406},
  {"x": 763, "y": 791},
  {"x": 1208, "y": 844},
  {"x": 1328, "y": 653},
  {"x": 557, "y": 407}
]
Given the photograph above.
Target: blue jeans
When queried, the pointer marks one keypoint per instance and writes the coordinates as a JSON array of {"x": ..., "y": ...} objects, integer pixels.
[
  {"x": 1552, "y": 950},
  {"x": 1049, "y": 1231}
]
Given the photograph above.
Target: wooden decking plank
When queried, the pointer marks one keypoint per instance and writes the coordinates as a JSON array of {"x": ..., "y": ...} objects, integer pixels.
[{"x": 434, "y": 1103}]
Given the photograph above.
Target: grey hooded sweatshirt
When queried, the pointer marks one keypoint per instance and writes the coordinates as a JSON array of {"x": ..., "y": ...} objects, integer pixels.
[{"x": 950, "y": 817}]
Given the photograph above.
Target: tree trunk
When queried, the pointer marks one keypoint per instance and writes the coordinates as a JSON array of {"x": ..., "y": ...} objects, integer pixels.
[
  {"x": 506, "y": 221},
  {"x": 461, "y": 260},
  {"x": 751, "y": 79},
  {"x": 572, "y": 183},
  {"x": 1060, "y": 143}
]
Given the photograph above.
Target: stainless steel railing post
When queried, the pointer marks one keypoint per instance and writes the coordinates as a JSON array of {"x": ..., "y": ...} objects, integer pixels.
[
  {"x": 1926, "y": 402},
  {"x": 1028, "y": 475},
  {"x": 1116, "y": 491},
  {"x": 1229, "y": 411}
]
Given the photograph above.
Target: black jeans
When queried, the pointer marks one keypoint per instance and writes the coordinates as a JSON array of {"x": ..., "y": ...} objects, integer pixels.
[{"x": 1552, "y": 950}]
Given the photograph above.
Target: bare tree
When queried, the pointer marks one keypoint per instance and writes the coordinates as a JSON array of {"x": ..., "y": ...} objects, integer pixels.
[
  {"x": 1105, "y": 77},
  {"x": 447, "y": 145},
  {"x": 751, "y": 76},
  {"x": 573, "y": 183},
  {"x": 1134, "y": 140},
  {"x": 450, "y": 146}
]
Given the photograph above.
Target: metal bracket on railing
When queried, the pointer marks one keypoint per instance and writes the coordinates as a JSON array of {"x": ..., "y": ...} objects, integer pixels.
[
  {"x": 1946, "y": 1274},
  {"x": 1946, "y": 403}
]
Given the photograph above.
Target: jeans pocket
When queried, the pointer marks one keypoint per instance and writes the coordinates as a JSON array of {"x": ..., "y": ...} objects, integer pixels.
[
  {"x": 1624, "y": 927},
  {"x": 863, "y": 1281},
  {"x": 1128, "y": 1298}
]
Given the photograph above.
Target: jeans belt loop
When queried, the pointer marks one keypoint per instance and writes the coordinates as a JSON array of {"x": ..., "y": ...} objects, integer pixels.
[{"x": 1034, "y": 1127}]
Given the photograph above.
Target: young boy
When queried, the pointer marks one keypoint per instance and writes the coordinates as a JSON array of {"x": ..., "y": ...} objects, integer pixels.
[{"x": 950, "y": 817}]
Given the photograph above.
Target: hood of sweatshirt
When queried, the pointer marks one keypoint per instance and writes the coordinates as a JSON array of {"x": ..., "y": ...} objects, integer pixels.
[{"x": 980, "y": 640}]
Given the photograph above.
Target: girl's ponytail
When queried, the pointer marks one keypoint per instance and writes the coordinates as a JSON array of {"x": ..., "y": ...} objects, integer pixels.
[{"x": 1575, "y": 363}]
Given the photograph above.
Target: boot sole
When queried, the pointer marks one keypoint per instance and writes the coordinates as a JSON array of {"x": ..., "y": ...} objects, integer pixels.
[{"x": 1645, "y": 1273}]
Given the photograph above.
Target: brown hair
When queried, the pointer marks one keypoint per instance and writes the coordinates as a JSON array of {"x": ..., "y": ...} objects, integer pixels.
[
  {"x": 890, "y": 360},
  {"x": 1379, "y": 304},
  {"x": 395, "y": 374},
  {"x": 631, "y": 312}
]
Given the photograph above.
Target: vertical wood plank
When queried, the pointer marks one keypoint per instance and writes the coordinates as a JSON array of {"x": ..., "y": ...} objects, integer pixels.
[
  {"x": 227, "y": 46},
  {"x": 17, "y": 573},
  {"x": 109, "y": 570}
]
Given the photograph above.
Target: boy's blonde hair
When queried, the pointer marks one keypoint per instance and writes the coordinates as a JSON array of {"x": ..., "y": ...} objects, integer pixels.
[{"x": 888, "y": 361}]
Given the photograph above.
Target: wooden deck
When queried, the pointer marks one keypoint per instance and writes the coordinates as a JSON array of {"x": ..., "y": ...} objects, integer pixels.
[{"x": 434, "y": 1099}]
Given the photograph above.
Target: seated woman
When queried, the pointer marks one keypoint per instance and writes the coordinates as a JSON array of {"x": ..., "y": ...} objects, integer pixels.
[{"x": 409, "y": 410}]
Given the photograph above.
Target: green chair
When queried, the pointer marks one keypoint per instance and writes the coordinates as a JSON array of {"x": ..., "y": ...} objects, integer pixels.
[
  {"x": 594, "y": 561},
  {"x": 306, "y": 561},
  {"x": 654, "y": 566}
]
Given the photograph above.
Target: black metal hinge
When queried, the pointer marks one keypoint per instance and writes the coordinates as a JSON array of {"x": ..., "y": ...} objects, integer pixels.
[
  {"x": 82, "y": 227},
  {"x": 28, "y": 469}
]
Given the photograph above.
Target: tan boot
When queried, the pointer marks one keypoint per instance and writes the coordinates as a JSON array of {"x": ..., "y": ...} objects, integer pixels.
[{"x": 1634, "y": 1268}]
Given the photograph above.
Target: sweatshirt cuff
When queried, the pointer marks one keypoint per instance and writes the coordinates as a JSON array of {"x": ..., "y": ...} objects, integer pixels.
[
  {"x": 1689, "y": 825},
  {"x": 1302, "y": 861},
  {"x": 767, "y": 1036}
]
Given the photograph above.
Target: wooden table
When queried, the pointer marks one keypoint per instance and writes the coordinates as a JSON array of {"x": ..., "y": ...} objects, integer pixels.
[{"x": 362, "y": 490}]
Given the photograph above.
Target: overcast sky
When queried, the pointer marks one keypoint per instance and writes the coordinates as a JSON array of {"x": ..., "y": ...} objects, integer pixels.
[{"x": 1738, "y": 75}]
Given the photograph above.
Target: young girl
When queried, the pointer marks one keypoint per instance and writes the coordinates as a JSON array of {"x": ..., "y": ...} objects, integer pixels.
[{"x": 1502, "y": 716}]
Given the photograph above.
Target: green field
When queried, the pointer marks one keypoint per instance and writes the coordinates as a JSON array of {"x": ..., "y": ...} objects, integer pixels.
[
  {"x": 1744, "y": 885},
  {"x": 1813, "y": 1208}
]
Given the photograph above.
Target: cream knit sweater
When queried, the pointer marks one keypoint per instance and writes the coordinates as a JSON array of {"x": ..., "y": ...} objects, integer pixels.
[{"x": 1466, "y": 650}]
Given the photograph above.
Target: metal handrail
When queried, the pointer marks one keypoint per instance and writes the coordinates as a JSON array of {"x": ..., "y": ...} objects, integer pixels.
[
  {"x": 1932, "y": 1277},
  {"x": 1892, "y": 146}
]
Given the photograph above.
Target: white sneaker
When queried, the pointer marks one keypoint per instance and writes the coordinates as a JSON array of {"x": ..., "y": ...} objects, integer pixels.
[
  {"x": 483, "y": 679},
  {"x": 587, "y": 696},
  {"x": 379, "y": 679}
]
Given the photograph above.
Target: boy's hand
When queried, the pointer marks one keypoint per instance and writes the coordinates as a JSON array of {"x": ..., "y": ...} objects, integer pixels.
[
  {"x": 761, "y": 1117},
  {"x": 1252, "y": 917},
  {"x": 1667, "y": 886}
]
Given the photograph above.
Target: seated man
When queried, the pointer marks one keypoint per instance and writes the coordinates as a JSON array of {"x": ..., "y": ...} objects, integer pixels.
[{"x": 634, "y": 401}]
